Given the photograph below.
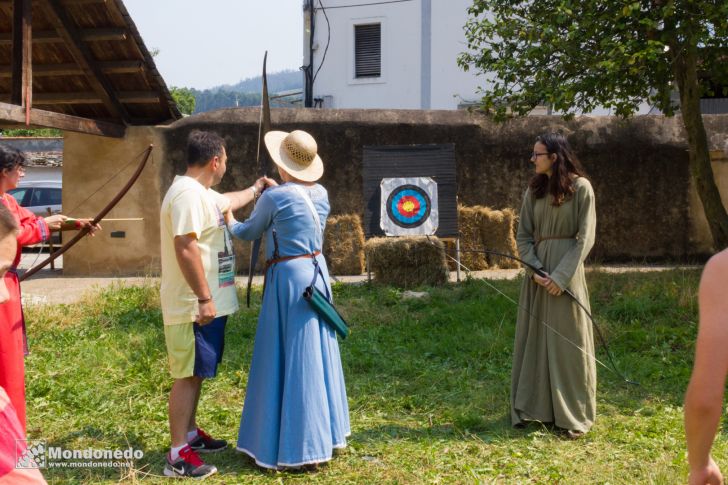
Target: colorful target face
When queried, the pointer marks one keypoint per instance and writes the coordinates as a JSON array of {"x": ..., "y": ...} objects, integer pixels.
[{"x": 409, "y": 206}]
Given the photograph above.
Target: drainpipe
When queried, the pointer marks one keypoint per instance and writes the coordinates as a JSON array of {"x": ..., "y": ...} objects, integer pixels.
[{"x": 309, "y": 15}]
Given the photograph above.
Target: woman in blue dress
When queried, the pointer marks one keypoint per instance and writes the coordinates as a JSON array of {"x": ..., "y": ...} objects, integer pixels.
[{"x": 295, "y": 410}]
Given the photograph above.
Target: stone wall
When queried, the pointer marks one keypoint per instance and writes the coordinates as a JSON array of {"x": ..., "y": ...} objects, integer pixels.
[{"x": 647, "y": 208}]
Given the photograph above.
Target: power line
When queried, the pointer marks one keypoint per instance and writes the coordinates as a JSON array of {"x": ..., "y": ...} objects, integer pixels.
[
  {"x": 328, "y": 41},
  {"x": 365, "y": 4}
]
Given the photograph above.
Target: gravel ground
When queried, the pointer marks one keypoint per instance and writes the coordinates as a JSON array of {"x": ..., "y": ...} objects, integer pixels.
[{"x": 51, "y": 287}]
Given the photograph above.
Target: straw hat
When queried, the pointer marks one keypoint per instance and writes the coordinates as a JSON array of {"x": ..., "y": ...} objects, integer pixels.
[{"x": 295, "y": 152}]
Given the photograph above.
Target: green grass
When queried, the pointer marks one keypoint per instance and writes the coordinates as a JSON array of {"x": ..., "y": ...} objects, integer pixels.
[{"x": 428, "y": 384}]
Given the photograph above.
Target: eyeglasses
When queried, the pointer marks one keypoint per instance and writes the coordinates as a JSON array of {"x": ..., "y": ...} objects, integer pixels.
[{"x": 535, "y": 155}]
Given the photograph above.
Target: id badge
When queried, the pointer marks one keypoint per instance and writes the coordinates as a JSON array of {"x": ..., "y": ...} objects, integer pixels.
[
  {"x": 226, "y": 258},
  {"x": 226, "y": 269}
]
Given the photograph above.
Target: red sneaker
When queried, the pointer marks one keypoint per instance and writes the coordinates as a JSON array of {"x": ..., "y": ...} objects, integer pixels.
[
  {"x": 204, "y": 443},
  {"x": 188, "y": 465}
]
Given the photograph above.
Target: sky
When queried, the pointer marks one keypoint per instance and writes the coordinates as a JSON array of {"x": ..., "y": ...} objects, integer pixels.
[{"x": 207, "y": 43}]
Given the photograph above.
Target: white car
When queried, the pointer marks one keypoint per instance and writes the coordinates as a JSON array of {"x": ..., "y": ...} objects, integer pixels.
[{"x": 41, "y": 197}]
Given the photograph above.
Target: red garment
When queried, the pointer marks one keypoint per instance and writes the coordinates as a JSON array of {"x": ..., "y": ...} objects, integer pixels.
[
  {"x": 13, "y": 345},
  {"x": 13, "y": 446}
]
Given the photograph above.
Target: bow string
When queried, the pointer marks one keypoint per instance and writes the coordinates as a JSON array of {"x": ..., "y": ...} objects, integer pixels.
[
  {"x": 86, "y": 229},
  {"x": 614, "y": 368}
]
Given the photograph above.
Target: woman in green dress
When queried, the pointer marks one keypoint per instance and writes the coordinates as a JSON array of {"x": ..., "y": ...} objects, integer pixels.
[{"x": 554, "y": 371}]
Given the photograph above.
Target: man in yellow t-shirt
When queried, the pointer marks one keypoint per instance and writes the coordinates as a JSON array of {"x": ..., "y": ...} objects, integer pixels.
[{"x": 197, "y": 292}]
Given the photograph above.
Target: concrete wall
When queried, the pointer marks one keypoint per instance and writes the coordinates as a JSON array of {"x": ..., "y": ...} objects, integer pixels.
[
  {"x": 647, "y": 208},
  {"x": 89, "y": 162}
]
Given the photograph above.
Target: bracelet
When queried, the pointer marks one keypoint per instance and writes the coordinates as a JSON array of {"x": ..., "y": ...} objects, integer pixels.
[
  {"x": 204, "y": 300},
  {"x": 255, "y": 191}
]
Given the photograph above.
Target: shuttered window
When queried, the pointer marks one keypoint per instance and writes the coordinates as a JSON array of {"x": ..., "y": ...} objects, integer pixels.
[{"x": 368, "y": 50}]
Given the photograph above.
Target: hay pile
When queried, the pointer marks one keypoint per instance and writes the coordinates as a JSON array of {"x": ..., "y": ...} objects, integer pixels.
[
  {"x": 497, "y": 232},
  {"x": 470, "y": 221},
  {"x": 344, "y": 245},
  {"x": 407, "y": 262},
  {"x": 480, "y": 228}
]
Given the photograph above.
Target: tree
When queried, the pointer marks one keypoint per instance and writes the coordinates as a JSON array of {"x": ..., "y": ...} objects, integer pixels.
[
  {"x": 184, "y": 98},
  {"x": 577, "y": 55}
]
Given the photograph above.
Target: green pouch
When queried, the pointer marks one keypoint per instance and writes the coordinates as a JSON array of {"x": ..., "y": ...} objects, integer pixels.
[{"x": 321, "y": 304}]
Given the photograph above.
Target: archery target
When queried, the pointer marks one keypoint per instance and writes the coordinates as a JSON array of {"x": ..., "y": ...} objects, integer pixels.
[{"x": 409, "y": 206}]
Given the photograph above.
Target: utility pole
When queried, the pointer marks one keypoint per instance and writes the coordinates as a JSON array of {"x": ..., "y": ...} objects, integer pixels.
[{"x": 309, "y": 15}]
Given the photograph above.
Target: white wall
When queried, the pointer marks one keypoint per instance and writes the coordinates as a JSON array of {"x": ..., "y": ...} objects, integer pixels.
[
  {"x": 399, "y": 86},
  {"x": 419, "y": 71},
  {"x": 34, "y": 174},
  {"x": 450, "y": 84}
]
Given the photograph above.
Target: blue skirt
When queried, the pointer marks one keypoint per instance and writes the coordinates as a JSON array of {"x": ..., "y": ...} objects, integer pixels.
[{"x": 295, "y": 410}]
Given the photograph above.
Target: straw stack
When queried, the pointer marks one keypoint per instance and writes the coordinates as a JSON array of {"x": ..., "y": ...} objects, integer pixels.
[
  {"x": 344, "y": 245},
  {"x": 407, "y": 262}
]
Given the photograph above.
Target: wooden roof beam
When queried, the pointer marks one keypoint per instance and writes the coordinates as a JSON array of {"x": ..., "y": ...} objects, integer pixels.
[
  {"x": 122, "y": 67},
  {"x": 21, "y": 64},
  {"x": 70, "y": 69},
  {"x": 84, "y": 58},
  {"x": 87, "y": 35},
  {"x": 126, "y": 97},
  {"x": 47, "y": 70},
  {"x": 49, "y": 119},
  {"x": 65, "y": 3}
]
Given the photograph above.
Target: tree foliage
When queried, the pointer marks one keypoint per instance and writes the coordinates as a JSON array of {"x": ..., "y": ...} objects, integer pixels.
[
  {"x": 247, "y": 92},
  {"x": 185, "y": 99},
  {"x": 209, "y": 99},
  {"x": 577, "y": 55}
]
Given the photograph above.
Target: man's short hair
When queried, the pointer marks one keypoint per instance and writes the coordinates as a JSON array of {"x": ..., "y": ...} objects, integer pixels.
[
  {"x": 203, "y": 146},
  {"x": 8, "y": 223}
]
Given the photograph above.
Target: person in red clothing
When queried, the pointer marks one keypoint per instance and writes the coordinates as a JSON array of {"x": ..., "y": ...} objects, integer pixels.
[
  {"x": 31, "y": 230},
  {"x": 11, "y": 435}
]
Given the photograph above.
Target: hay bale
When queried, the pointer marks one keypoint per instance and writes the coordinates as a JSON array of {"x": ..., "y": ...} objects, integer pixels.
[
  {"x": 407, "y": 262},
  {"x": 344, "y": 245},
  {"x": 497, "y": 233},
  {"x": 470, "y": 221}
]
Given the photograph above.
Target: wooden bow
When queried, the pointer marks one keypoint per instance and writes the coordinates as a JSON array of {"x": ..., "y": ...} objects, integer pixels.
[
  {"x": 95, "y": 220},
  {"x": 571, "y": 295},
  {"x": 263, "y": 164}
]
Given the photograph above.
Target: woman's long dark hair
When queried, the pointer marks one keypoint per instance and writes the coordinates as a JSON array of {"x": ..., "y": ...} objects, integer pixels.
[
  {"x": 560, "y": 184},
  {"x": 10, "y": 158}
]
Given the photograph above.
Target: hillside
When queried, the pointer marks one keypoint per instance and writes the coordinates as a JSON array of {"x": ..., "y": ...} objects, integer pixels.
[{"x": 246, "y": 92}]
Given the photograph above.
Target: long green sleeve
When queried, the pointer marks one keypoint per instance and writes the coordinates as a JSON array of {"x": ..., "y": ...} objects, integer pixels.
[
  {"x": 564, "y": 272},
  {"x": 525, "y": 239}
]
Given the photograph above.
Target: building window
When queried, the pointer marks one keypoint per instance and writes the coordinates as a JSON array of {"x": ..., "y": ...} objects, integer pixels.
[{"x": 368, "y": 51}]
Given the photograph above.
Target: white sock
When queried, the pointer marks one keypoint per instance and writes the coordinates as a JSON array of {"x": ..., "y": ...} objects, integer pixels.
[
  {"x": 174, "y": 452},
  {"x": 191, "y": 435}
]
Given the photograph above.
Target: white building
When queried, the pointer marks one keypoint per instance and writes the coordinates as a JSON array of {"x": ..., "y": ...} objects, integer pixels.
[{"x": 399, "y": 54}]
